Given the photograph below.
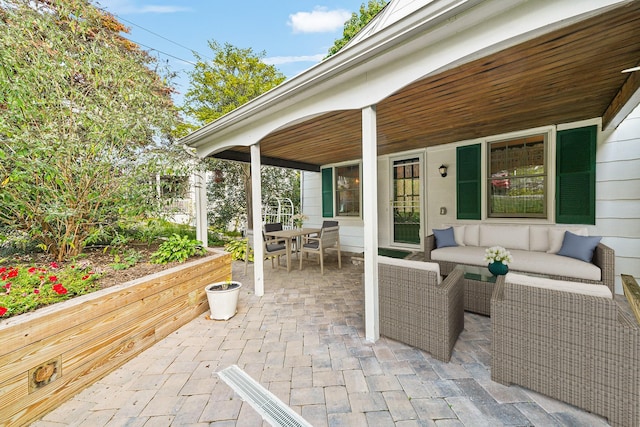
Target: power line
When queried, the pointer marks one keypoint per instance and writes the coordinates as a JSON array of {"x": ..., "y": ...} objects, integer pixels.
[
  {"x": 157, "y": 35},
  {"x": 159, "y": 51},
  {"x": 162, "y": 37}
]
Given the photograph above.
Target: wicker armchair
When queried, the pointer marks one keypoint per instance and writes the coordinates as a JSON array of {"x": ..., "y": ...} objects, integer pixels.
[
  {"x": 577, "y": 348},
  {"x": 417, "y": 310}
]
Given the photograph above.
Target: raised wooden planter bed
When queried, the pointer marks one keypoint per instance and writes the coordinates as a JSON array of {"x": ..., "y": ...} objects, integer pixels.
[{"x": 51, "y": 354}]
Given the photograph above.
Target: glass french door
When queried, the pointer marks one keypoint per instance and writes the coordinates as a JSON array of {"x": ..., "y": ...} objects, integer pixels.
[{"x": 406, "y": 201}]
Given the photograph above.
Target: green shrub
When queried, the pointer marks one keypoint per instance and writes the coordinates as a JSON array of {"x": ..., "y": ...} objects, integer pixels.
[
  {"x": 237, "y": 249},
  {"x": 177, "y": 248},
  {"x": 127, "y": 260}
]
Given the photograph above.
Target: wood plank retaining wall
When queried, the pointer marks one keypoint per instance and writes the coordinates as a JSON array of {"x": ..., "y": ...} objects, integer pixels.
[{"x": 51, "y": 354}]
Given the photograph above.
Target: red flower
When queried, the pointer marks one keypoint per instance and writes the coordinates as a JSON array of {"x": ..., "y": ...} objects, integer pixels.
[
  {"x": 59, "y": 289},
  {"x": 8, "y": 285},
  {"x": 53, "y": 279},
  {"x": 32, "y": 270},
  {"x": 12, "y": 273},
  {"x": 85, "y": 277},
  {"x": 36, "y": 291},
  {"x": 3, "y": 269},
  {"x": 54, "y": 265},
  {"x": 2, "y": 311}
]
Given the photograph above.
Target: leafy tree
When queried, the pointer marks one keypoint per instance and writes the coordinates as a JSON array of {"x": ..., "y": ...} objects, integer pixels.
[
  {"x": 357, "y": 22},
  {"x": 228, "y": 192},
  {"x": 233, "y": 77},
  {"x": 82, "y": 120}
]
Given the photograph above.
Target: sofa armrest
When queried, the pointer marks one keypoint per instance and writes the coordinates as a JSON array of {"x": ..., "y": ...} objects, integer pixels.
[
  {"x": 605, "y": 258},
  {"x": 429, "y": 245}
]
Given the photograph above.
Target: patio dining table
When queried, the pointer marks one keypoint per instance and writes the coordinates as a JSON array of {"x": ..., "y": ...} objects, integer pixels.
[{"x": 288, "y": 236}]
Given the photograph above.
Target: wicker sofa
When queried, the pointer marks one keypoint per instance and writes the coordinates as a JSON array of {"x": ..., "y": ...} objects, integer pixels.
[
  {"x": 570, "y": 341},
  {"x": 418, "y": 308},
  {"x": 533, "y": 247}
]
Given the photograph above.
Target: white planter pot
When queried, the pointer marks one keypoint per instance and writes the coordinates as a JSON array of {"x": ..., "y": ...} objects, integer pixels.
[{"x": 223, "y": 303}]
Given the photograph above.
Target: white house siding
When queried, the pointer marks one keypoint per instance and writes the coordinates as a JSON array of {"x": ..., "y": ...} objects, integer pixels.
[
  {"x": 617, "y": 195},
  {"x": 351, "y": 229}
]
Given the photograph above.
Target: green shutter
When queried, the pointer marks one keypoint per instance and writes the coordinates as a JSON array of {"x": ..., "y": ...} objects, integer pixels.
[
  {"x": 468, "y": 182},
  {"x": 327, "y": 193},
  {"x": 576, "y": 176}
]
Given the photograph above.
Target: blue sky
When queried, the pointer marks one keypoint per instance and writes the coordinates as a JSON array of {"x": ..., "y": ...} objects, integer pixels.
[{"x": 294, "y": 34}]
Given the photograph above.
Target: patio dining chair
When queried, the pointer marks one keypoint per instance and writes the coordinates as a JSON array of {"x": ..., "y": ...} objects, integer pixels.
[
  {"x": 272, "y": 249},
  {"x": 328, "y": 238}
]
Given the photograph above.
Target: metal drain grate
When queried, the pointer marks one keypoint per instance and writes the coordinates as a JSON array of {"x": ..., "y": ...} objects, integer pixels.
[{"x": 272, "y": 409}]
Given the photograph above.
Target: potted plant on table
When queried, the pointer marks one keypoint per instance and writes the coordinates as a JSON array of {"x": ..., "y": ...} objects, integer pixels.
[
  {"x": 299, "y": 219},
  {"x": 498, "y": 259},
  {"x": 223, "y": 299}
]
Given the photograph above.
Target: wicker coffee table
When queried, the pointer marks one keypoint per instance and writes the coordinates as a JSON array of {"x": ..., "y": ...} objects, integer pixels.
[{"x": 478, "y": 288}]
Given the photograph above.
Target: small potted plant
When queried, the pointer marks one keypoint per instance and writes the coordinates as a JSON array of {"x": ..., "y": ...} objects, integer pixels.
[
  {"x": 223, "y": 299},
  {"x": 498, "y": 259},
  {"x": 299, "y": 219}
]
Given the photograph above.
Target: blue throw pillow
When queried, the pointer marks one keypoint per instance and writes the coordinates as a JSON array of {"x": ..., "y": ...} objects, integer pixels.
[
  {"x": 579, "y": 247},
  {"x": 444, "y": 238}
]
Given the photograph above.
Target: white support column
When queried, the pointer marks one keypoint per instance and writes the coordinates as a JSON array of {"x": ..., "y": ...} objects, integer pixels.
[
  {"x": 370, "y": 219},
  {"x": 200, "y": 188},
  {"x": 258, "y": 243}
]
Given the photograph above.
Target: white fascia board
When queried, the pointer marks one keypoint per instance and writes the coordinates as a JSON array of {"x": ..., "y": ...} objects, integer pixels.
[{"x": 439, "y": 36}]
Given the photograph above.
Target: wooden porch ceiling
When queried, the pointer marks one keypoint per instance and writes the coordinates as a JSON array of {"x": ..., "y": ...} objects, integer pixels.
[{"x": 570, "y": 74}]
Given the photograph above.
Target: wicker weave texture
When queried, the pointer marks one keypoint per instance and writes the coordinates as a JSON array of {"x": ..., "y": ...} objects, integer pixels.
[
  {"x": 580, "y": 349},
  {"x": 417, "y": 311},
  {"x": 477, "y": 296},
  {"x": 603, "y": 257}
]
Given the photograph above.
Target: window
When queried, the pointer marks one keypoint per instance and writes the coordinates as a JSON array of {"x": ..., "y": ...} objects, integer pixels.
[
  {"x": 341, "y": 189},
  {"x": 517, "y": 178},
  {"x": 347, "y": 190}
]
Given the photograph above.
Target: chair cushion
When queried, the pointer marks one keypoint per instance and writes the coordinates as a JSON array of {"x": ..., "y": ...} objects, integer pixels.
[
  {"x": 558, "y": 285},
  {"x": 312, "y": 245},
  {"x": 274, "y": 226},
  {"x": 408, "y": 263},
  {"x": 273, "y": 247},
  {"x": 579, "y": 247},
  {"x": 444, "y": 238}
]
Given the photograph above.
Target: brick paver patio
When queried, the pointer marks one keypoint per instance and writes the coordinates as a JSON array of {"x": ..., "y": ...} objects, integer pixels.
[{"x": 304, "y": 341}]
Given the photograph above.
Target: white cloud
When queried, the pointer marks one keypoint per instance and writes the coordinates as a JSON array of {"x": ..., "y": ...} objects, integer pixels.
[
  {"x": 320, "y": 20},
  {"x": 129, "y": 7},
  {"x": 279, "y": 60}
]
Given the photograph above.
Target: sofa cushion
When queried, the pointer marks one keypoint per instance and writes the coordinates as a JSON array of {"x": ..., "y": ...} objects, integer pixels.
[
  {"x": 539, "y": 238},
  {"x": 507, "y": 236},
  {"x": 444, "y": 237},
  {"x": 556, "y": 237},
  {"x": 472, "y": 235},
  {"x": 458, "y": 234},
  {"x": 579, "y": 247},
  {"x": 524, "y": 261},
  {"x": 408, "y": 263},
  {"x": 558, "y": 285}
]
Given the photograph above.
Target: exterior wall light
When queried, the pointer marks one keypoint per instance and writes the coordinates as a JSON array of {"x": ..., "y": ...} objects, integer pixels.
[{"x": 443, "y": 170}]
